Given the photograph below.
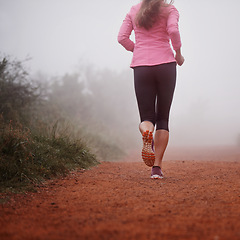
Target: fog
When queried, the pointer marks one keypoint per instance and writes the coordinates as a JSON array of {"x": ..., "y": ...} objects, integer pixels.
[{"x": 59, "y": 35}]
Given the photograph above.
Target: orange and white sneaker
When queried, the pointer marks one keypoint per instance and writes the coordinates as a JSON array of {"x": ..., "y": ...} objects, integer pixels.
[
  {"x": 147, "y": 151},
  {"x": 156, "y": 173}
]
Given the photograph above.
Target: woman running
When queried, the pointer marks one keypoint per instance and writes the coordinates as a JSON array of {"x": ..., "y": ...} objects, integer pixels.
[{"x": 155, "y": 23}]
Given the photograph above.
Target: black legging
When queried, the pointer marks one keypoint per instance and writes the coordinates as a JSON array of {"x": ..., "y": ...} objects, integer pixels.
[{"x": 155, "y": 83}]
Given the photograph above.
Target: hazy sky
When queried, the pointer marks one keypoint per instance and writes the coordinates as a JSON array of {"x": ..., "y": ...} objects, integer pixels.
[{"x": 58, "y": 34}]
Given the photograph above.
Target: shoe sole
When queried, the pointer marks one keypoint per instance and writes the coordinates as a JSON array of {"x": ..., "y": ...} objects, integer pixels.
[
  {"x": 148, "y": 155},
  {"x": 156, "y": 177}
]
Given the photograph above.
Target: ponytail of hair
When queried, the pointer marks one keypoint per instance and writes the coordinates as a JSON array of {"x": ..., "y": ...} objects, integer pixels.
[{"x": 148, "y": 13}]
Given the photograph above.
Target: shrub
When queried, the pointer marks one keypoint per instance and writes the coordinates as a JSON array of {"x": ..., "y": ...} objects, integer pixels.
[
  {"x": 29, "y": 151},
  {"x": 29, "y": 159}
]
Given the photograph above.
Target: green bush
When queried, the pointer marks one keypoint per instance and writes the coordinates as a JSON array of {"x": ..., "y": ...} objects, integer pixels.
[
  {"x": 29, "y": 159},
  {"x": 31, "y": 149}
]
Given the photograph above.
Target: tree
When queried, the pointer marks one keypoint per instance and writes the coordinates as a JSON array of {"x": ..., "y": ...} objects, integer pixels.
[{"x": 17, "y": 92}]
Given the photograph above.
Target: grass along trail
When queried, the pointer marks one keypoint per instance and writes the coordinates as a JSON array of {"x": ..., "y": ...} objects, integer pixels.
[{"x": 195, "y": 200}]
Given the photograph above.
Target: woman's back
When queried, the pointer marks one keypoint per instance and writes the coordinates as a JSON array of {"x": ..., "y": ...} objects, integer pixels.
[{"x": 151, "y": 46}]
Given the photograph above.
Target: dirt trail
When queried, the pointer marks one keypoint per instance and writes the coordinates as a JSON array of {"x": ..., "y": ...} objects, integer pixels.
[{"x": 195, "y": 200}]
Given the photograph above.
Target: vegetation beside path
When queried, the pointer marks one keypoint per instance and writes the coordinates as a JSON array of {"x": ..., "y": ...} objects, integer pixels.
[
  {"x": 47, "y": 128},
  {"x": 29, "y": 157}
]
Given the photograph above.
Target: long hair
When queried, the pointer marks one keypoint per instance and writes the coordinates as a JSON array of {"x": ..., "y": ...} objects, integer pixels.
[{"x": 149, "y": 12}]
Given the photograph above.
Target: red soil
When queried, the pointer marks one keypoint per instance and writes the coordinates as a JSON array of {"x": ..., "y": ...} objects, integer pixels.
[{"x": 196, "y": 200}]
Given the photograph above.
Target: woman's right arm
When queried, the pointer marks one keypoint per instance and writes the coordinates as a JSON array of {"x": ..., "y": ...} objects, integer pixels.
[
  {"x": 124, "y": 34},
  {"x": 173, "y": 31},
  {"x": 179, "y": 57}
]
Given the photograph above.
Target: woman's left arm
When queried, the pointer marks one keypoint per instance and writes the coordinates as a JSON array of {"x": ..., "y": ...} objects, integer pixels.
[{"x": 124, "y": 34}]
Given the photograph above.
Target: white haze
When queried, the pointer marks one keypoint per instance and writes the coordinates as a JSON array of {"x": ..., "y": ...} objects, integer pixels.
[{"x": 58, "y": 34}]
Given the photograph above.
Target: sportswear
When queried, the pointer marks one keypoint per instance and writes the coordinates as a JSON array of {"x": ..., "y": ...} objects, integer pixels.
[{"x": 151, "y": 47}]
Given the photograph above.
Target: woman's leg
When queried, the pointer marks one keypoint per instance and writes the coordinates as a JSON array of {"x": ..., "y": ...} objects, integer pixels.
[
  {"x": 166, "y": 86},
  {"x": 146, "y": 89},
  {"x": 160, "y": 144},
  {"x": 146, "y": 93},
  {"x": 146, "y": 126}
]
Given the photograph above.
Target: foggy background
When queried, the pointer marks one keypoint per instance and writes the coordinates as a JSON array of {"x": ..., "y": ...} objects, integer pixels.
[{"x": 60, "y": 35}]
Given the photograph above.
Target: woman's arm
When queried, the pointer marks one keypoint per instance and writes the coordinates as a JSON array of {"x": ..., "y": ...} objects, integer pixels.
[
  {"x": 179, "y": 57},
  {"x": 124, "y": 34},
  {"x": 172, "y": 28},
  {"x": 173, "y": 31}
]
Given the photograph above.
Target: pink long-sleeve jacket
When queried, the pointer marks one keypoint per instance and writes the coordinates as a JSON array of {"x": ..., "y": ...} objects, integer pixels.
[{"x": 151, "y": 47}]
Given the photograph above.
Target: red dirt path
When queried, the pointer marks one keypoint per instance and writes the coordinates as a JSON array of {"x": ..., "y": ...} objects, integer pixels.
[{"x": 195, "y": 200}]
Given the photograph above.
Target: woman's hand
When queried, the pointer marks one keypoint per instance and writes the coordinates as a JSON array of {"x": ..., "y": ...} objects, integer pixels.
[{"x": 179, "y": 57}]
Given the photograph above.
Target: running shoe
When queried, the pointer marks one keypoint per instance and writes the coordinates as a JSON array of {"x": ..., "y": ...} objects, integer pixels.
[
  {"x": 147, "y": 151},
  {"x": 156, "y": 173}
]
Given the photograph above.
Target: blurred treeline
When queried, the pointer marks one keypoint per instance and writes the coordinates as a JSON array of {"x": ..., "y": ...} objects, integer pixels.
[
  {"x": 50, "y": 125},
  {"x": 100, "y": 104}
]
